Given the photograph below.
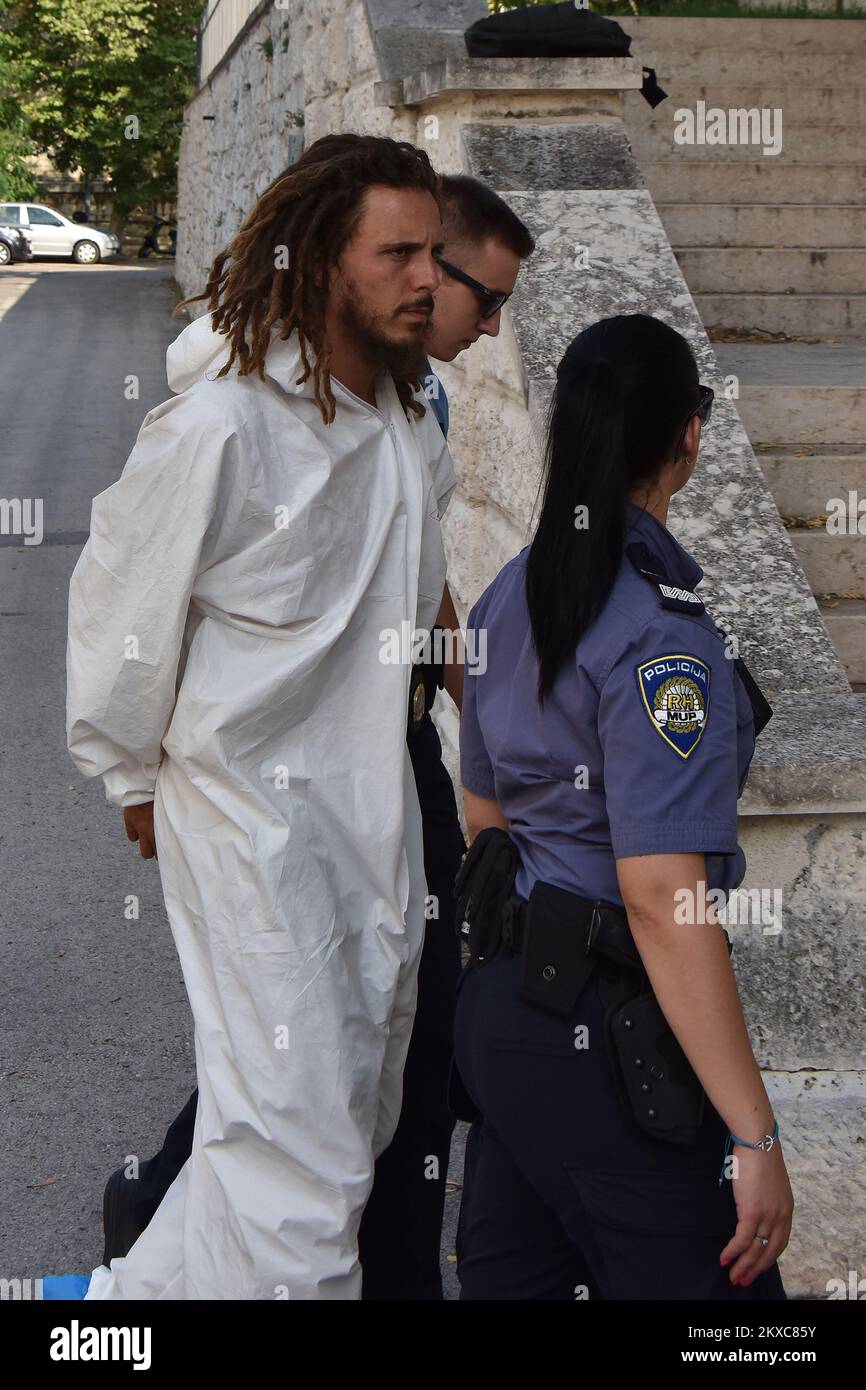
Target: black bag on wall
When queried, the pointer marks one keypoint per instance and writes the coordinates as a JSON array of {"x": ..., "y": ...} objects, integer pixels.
[
  {"x": 547, "y": 31},
  {"x": 554, "y": 31}
]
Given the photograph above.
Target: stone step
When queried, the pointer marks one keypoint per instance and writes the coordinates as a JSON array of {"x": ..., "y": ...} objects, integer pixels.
[
  {"x": 675, "y": 180},
  {"x": 845, "y": 620},
  {"x": 728, "y": 67},
  {"x": 832, "y": 564},
  {"x": 679, "y": 40},
  {"x": 786, "y": 142},
  {"x": 795, "y": 364},
  {"x": 815, "y": 7},
  {"x": 769, "y": 225},
  {"x": 811, "y": 414},
  {"x": 772, "y": 270},
  {"x": 835, "y": 105},
  {"x": 814, "y": 394},
  {"x": 803, "y": 478},
  {"x": 807, "y": 316}
]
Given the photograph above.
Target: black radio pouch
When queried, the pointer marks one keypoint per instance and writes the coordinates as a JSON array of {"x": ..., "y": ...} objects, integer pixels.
[
  {"x": 654, "y": 1076},
  {"x": 655, "y": 1079},
  {"x": 553, "y": 972}
]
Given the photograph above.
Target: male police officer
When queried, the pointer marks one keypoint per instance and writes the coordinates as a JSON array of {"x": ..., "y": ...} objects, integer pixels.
[{"x": 401, "y": 1227}]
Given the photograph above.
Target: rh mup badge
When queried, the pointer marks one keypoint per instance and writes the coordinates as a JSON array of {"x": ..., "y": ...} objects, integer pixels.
[{"x": 675, "y": 691}]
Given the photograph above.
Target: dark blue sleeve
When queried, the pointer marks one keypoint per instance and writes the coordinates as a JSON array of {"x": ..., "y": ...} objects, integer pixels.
[
  {"x": 476, "y": 769},
  {"x": 667, "y": 725},
  {"x": 441, "y": 413}
]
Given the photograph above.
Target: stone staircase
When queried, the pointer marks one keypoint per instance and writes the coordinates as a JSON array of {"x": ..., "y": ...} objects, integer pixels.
[{"x": 773, "y": 248}]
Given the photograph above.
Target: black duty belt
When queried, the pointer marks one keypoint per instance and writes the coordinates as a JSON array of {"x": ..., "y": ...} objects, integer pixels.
[
  {"x": 562, "y": 938},
  {"x": 605, "y": 925}
]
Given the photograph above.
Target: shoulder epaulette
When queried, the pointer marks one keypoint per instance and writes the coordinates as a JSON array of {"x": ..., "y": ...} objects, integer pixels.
[
  {"x": 684, "y": 601},
  {"x": 672, "y": 596}
]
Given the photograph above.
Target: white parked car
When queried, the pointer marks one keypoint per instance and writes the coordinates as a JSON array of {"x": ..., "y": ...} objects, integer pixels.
[{"x": 52, "y": 234}]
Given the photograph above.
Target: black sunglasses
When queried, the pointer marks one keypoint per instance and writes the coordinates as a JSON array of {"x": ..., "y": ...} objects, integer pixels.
[
  {"x": 705, "y": 404},
  {"x": 491, "y": 300},
  {"x": 703, "y": 410}
]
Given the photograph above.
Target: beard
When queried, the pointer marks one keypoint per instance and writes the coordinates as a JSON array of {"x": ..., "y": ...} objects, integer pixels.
[{"x": 403, "y": 359}]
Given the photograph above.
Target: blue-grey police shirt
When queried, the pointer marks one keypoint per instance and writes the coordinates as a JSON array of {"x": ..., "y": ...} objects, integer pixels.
[{"x": 642, "y": 747}]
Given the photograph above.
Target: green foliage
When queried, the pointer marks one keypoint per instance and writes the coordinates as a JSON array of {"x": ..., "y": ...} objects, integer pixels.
[
  {"x": 74, "y": 72},
  {"x": 16, "y": 181}
]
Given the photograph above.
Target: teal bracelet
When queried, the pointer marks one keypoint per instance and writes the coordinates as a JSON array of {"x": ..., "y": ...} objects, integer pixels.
[{"x": 766, "y": 1144}]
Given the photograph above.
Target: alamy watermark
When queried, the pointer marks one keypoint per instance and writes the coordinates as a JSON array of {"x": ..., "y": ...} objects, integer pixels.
[
  {"x": 760, "y": 907},
  {"x": 736, "y": 126},
  {"x": 408, "y": 645},
  {"x": 22, "y": 516}
]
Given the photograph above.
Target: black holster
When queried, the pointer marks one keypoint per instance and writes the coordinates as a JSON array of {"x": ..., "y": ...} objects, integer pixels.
[
  {"x": 483, "y": 886},
  {"x": 655, "y": 1080}
]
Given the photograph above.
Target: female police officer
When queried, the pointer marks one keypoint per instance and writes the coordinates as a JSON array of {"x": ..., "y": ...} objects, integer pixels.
[{"x": 623, "y": 1145}]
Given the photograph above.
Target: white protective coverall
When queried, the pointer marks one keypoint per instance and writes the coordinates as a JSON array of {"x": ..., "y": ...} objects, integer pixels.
[{"x": 224, "y": 660}]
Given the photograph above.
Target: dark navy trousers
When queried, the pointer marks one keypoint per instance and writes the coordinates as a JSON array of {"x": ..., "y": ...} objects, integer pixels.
[
  {"x": 564, "y": 1197},
  {"x": 401, "y": 1228}
]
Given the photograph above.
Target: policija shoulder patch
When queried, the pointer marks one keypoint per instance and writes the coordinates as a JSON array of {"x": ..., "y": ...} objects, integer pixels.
[{"x": 675, "y": 692}]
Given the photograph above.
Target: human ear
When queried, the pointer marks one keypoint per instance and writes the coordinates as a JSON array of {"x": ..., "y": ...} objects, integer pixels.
[
  {"x": 687, "y": 451},
  {"x": 692, "y": 441}
]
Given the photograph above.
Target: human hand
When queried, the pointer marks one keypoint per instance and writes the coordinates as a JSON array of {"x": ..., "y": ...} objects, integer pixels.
[
  {"x": 139, "y": 826},
  {"x": 765, "y": 1206}
]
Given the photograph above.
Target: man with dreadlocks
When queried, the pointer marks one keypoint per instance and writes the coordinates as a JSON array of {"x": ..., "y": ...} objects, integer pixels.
[
  {"x": 399, "y": 1236},
  {"x": 275, "y": 522}
]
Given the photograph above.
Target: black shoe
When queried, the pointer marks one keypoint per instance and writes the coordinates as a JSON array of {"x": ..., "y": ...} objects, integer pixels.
[{"x": 120, "y": 1223}]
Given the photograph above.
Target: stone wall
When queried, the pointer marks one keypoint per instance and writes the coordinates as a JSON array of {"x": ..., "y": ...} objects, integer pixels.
[{"x": 296, "y": 75}]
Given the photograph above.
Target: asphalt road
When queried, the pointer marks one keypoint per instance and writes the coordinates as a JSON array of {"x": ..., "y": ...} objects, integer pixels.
[{"x": 96, "y": 1049}]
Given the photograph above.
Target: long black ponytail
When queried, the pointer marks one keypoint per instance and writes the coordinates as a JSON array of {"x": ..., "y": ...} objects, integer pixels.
[{"x": 623, "y": 389}]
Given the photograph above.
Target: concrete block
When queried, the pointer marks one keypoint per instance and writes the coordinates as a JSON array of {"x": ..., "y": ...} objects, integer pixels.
[
  {"x": 822, "y": 1129},
  {"x": 515, "y": 75},
  {"x": 800, "y": 985},
  {"x": 808, "y": 766},
  {"x": 576, "y": 155}
]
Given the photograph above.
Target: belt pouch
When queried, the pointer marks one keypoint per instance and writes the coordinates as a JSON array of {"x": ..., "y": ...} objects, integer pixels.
[
  {"x": 664, "y": 1094},
  {"x": 556, "y": 965},
  {"x": 483, "y": 885}
]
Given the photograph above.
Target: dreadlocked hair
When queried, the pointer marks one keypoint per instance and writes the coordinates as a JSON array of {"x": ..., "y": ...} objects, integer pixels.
[{"x": 312, "y": 210}]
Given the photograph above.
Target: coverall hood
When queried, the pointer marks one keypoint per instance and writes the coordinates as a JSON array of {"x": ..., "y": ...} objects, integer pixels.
[
  {"x": 193, "y": 353},
  {"x": 199, "y": 352}
]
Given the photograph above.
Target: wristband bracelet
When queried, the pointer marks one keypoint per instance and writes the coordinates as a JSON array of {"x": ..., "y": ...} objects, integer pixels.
[{"x": 766, "y": 1144}]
